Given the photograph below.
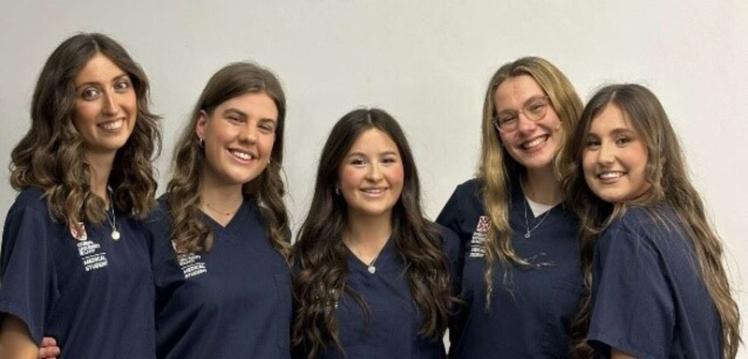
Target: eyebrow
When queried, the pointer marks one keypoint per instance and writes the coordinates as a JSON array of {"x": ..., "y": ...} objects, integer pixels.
[
  {"x": 615, "y": 131},
  {"x": 233, "y": 110},
  {"x": 385, "y": 153},
  {"x": 114, "y": 79}
]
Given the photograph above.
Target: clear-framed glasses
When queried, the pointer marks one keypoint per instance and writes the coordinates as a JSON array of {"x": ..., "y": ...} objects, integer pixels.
[{"x": 534, "y": 109}]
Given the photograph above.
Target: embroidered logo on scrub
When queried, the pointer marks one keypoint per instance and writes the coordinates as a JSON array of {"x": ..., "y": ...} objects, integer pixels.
[
  {"x": 191, "y": 264},
  {"x": 92, "y": 259},
  {"x": 477, "y": 243}
]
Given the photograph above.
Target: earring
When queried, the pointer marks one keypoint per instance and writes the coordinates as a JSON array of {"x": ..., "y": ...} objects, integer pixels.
[
  {"x": 200, "y": 142},
  {"x": 337, "y": 190}
]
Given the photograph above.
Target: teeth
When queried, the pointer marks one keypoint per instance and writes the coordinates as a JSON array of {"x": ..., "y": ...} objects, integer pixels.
[
  {"x": 610, "y": 175},
  {"x": 242, "y": 155},
  {"x": 373, "y": 190},
  {"x": 112, "y": 125},
  {"x": 535, "y": 142}
]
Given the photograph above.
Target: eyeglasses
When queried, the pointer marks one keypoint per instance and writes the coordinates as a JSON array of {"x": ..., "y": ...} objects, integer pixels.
[{"x": 534, "y": 109}]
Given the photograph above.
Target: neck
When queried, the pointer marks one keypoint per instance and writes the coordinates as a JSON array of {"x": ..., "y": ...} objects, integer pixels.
[
  {"x": 101, "y": 168},
  {"x": 219, "y": 201},
  {"x": 366, "y": 236},
  {"x": 542, "y": 186}
]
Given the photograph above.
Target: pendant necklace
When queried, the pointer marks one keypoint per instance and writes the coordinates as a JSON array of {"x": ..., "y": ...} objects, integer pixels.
[
  {"x": 528, "y": 230},
  {"x": 111, "y": 218}
]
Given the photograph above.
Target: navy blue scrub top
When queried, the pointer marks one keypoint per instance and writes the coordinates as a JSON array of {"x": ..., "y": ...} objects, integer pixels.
[
  {"x": 231, "y": 302},
  {"x": 394, "y": 319},
  {"x": 648, "y": 296},
  {"x": 93, "y": 294},
  {"x": 529, "y": 317}
]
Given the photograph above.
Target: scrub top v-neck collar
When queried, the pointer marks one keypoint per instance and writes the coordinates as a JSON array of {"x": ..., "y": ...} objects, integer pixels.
[
  {"x": 383, "y": 261},
  {"x": 230, "y": 229}
]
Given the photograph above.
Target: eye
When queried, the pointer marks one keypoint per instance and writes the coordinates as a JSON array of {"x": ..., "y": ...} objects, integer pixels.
[
  {"x": 267, "y": 127},
  {"x": 537, "y": 107},
  {"x": 592, "y": 143},
  {"x": 235, "y": 119},
  {"x": 123, "y": 85},
  {"x": 357, "y": 162},
  {"x": 90, "y": 93},
  {"x": 505, "y": 120},
  {"x": 623, "y": 140},
  {"x": 389, "y": 160}
]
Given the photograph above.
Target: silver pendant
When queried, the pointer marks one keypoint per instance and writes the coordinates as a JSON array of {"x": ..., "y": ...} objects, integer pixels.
[
  {"x": 372, "y": 269},
  {"x": 527, "y": 235},
  {"x": 115, "y": 235}
]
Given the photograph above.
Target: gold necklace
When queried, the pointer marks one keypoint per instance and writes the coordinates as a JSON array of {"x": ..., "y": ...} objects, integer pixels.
[{"x": 220, "y": 212}]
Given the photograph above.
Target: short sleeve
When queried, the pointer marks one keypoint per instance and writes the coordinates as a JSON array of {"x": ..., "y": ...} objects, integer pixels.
[
  {"x": 632, "y": 308},
  {"x": 27, "y": 284}
]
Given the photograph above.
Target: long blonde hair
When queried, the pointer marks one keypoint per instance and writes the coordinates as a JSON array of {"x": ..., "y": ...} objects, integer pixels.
[
  {"x": 190, "y": 233},
  {"x": 667, "y": 173},
  {"x": 497, "y": 167}
]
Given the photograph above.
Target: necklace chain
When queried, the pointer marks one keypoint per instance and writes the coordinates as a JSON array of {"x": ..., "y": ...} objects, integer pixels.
[
  {"x": 528, "y": 230},
  {"x": 111, "y": 217},
  {"x": 216, "y": 210}
]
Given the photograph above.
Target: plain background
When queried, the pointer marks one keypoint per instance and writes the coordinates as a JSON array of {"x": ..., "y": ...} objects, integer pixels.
[{"x": 425, "y": 62}]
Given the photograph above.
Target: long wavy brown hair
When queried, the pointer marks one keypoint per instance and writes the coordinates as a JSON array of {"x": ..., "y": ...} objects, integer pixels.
[
  {"x": 320, "y": 253},
  {"x": 497, "y": 167},
  {"x": 190, "y": 234},
  {"x": 51, "y": 154},
  {"x": 667, "y": 173}
]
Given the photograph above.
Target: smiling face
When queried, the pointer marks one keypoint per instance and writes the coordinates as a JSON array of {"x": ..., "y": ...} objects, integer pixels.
[
  {"x": 615, "y": 157},
  {"x": 238, "y": 138},
  {"x": 533, "y": 143},
  {"x": 105, "y": 106},
  {"x": 371, "y": 175}
]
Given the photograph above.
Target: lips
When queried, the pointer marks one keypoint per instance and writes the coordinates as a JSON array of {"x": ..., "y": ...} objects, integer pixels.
[
  {"x": 610, "y": 176},
  {"x": 241, "y": 155},
  {"x": 534, "y": 143},
  {"x": 373, "y": 191},
  {"x": 112, "y": 126}
]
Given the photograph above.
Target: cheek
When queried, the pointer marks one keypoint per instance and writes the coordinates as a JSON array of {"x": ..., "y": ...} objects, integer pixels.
[
  {"x": 84, "y": 115},
  {"x": 396, "y": 177},
  {"x": 348, "y": 178}
]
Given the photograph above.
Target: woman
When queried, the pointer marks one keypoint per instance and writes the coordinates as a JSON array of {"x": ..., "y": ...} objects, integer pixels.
[
  {"x": 521, "y": 282},
  {"x": 373, "y": 275},
  {"x": 220, "y": 233},
  {"x": 659, "y": 286},
  {"x": 75, "y": 262}
]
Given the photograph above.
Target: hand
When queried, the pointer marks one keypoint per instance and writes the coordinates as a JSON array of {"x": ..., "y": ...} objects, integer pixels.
[{"x": 49, "y": 349}]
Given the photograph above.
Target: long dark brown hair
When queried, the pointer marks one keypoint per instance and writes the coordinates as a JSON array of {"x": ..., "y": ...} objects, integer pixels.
[
  {"x": 667, "y": 173},
  {"x": 190, "y": 234},
  {"x": 320, "y": 253},
  {"x": 51, "y": 154}
]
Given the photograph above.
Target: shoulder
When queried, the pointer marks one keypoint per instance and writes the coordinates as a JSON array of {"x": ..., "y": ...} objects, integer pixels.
[
  {"x": 158, "y": 222},
  {"x": 449, "y": 240},
  {"x": 31, "y": 198},
  {"x": 647, "y": 227},
  {"x": 471, "y": 187}
]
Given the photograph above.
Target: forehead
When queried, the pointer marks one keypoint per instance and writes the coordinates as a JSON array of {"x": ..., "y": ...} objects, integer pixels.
[
  {"x": 373, "y": 141},
  {"x": 257, "y": 104},
  {"x": 514, "y": 91},
  {"x": 98, "y": 69},
  {"x": 611, "y": 118}
]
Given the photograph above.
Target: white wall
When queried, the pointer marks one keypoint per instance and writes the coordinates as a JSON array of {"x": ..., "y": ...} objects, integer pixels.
[{"x": 426, "y": 62}]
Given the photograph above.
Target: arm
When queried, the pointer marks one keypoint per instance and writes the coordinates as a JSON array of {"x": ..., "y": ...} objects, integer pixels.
[
  {"x": 15, "y": 340},
  {"x": 616, "y": 354}
]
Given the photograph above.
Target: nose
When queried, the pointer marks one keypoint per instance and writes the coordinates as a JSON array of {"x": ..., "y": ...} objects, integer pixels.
[
  {"x": 375, "y": 173},
  {"x": 249, "y": 132},
  {"x": 606, "y": 154},
  {"x": 111, "y": 106},
  {"x": 525, "y": 124}
]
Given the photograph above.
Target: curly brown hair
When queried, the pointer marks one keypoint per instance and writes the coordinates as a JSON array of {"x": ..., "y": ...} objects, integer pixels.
[{"x": 51, "y": 154}]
